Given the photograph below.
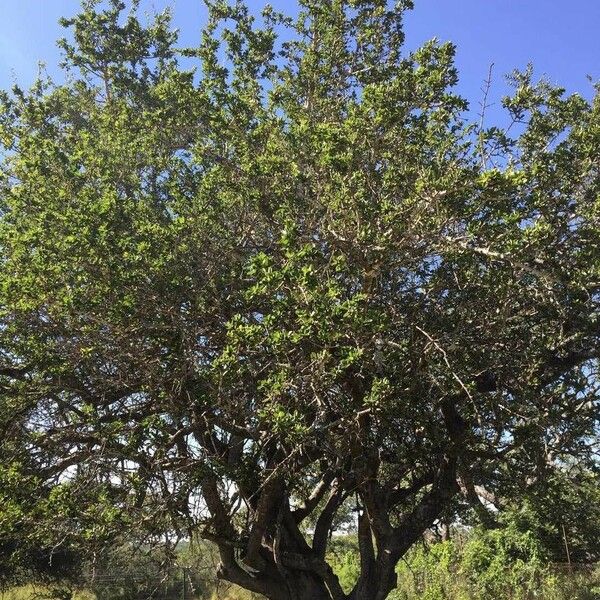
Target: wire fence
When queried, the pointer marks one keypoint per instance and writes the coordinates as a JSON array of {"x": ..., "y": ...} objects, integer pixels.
[
  {"x": 178, "y": 584},
  {"x": 190, "y": 584}
]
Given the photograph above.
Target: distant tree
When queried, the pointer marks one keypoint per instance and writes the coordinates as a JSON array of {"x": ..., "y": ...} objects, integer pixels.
[
  {"x": 245, "y": 283},
  {"x": 563, "y": 513}
]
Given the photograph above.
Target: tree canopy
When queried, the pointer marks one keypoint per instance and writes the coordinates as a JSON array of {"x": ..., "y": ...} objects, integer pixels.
[{"x": 246, "y": 284}]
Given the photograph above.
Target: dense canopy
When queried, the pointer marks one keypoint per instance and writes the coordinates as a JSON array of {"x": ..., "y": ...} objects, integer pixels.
[{"x": 248, "y": 285}]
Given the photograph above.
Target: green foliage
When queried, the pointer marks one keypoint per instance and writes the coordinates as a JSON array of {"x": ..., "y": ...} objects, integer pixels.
[
  {"x": 429, "y": 572},
  {"x": 476, "y": 565},
  {"x": 345, "y": 561},
  {"x": 235, "y": 295},
  {"x": 26, "y": 551},
  {"x": 503, "y": 561},
  {"x": 565, "y": 504}
]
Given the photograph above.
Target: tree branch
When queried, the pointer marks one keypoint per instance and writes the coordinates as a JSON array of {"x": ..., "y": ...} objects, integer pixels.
[
  {"x": 315, "y": 497},
  {"x": 325, "y": 520}
]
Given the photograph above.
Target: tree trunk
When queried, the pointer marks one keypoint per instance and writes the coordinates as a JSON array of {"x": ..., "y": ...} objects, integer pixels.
[
  {"x": 305, "y": 587},
  {"x": 280, "y": 564},
  {"x": 296, "y": 585}
]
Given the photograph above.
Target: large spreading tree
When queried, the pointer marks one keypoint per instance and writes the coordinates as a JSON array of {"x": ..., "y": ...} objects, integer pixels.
[{"x": 248, "y": 285}]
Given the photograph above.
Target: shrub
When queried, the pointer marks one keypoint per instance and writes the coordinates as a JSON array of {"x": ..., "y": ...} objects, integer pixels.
[
  {"x": 428, "y": 573},
  {"x": 503, "y": 563},
  {"x": 345, "y": 561}
]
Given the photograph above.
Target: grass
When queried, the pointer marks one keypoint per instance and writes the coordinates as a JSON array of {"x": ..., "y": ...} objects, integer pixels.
[{"x": 35, "y": 592}]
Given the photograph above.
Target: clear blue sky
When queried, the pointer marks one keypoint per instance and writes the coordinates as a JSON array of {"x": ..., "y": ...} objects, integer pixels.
[{"x": 560, "y": 38}]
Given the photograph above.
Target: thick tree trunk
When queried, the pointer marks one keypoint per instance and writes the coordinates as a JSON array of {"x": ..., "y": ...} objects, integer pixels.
[
  {"x": 297, "y": 585},
  {"x": 305, "y": 587},
  {"x": 292, "y": 570},
  {"x": 277, "y": 560}
]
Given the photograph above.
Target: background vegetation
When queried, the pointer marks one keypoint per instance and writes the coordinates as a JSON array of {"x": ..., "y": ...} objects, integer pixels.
[{"x": 518, "y": 559}]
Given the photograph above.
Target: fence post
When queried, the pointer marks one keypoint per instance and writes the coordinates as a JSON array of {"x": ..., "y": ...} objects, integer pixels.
[{"x": 567, "y": 547}]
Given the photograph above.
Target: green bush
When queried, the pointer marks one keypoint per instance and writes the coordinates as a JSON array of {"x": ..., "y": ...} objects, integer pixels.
[
  {"x": 345, "y": 561},
  {"x": 503, "y": 563},
  {"x": 427, "y": 573}
]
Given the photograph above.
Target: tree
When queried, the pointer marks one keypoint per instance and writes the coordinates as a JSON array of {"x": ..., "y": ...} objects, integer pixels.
[
  {"x": 563, "y": 514},
  {"x": 237, "y": 297}
]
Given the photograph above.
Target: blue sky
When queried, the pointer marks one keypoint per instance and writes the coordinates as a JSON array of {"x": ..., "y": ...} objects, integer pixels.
[{"x": 560, "y": 38}]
